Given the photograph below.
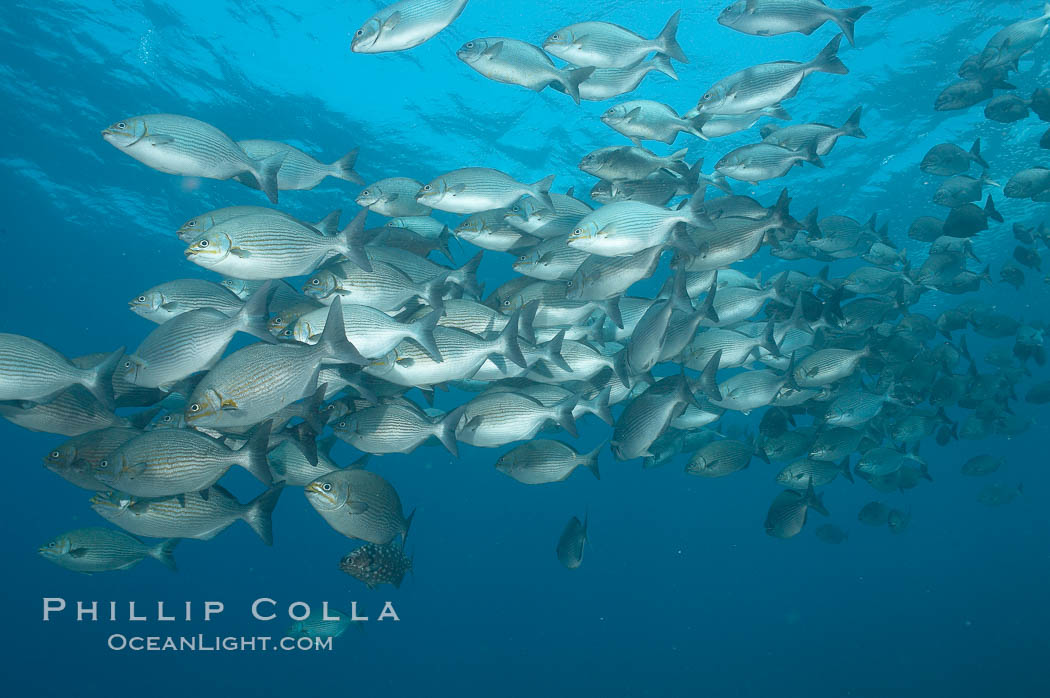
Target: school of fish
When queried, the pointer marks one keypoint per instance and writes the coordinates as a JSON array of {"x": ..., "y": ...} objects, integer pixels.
[{"x": 357, "y": 324}]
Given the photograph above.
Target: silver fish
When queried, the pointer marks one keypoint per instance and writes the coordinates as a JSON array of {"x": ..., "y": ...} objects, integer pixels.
[
  {"x": 606, "y": 45},
  {"x": 643, "y": 119},
  {"x": 182, "y": 145},
  {"x": 475, "y": 189},
  {"x": 167, "y": 462},
  {"x": 776, "y": 17},
  {"x": 298, "y": 170},
  {"x": 787, "y": 513},
  {"x": 405, "y": 24},
  {"x": 163, "y": 302},
  {"x": 359, "y": 504},
  {"x": 201, "y": 515},
  {"x": 515, "y": 62},
  {"x": 397, "y": 428},
  {"x": 90, "y": 550},
  {"x": 372, "y": 332},
  {"x": 393, "y": 197},
  {"x": 495, "y": 419},
  {"x": 31, "y": 370},
  {"x": 75, "y": 459}
]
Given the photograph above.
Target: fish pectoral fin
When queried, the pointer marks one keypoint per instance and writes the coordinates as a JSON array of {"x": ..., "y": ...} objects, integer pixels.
[
  {"x": 579, "y": 41},
  {"x": 356, "y": 507},
  {"x": 391, "y": 21},
  {"x": 240, "y": 252},
  {"x": 606, "y": 231},
  {"x": 136, "y": 469},
  {"x": 205, "y": 493},
  {"x": 633, "y": 114},
  {"x": 170, "y": 305},
  {"x": 392, "y": 197},
  {"x": 456, "y": 189},
  {"x": 228, "y": 404},
  {"x": 78, "y": 552},
  {"x": 159, "y": 140},
  {"x": 493, "y": 51},
  {"x": 181, "y": 499}
]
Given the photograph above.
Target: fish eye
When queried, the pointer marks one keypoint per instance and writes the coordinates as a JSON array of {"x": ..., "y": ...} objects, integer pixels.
[
  {"x": 127, "y": 364},
  {"x": 51, "y": 544},
  {"x": 364, "y": 193},
  {"x": 470, "y": 44},
  {"x": 521, "y": 258},
  {"x": 360, "y": 32},
  {"x": 195, "y": 407},
  {"x": 341, "y": 425},
  {"x": 142, "y": 299},
  {"x": 166, "y": 418},
  {"x": 203, "y": 243},
  {"x": 103, "y": 463},
  {"x": 327, "y": 487},
  {"x": 192, "y": 224},
  {"x": 427, "y": 188},
  {"x": 554, "y": 37},
  {"x": 55, "y": 454},
  {"x": 315, "y": 281},
  {"x": 506, "y": 303},
  {"x": 121, "y": 124}
]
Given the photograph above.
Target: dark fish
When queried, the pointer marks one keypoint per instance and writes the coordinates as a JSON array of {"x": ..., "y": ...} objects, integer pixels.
[
  {"x": 571, "y": 543},
  {"x": 1028, "y": 257},
  {"x": 830, "y": 533},
  {"x": 948, "y": 159},
  {"x": 376, "y": 564},
  {"x": 874, "y": 514},
  {"x": 787, "y": 513},
  {"x": 1039, "y": 394},
  {"x": 1007, "y": 109}
]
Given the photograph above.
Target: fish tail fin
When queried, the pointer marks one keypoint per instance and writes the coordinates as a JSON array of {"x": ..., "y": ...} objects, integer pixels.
[
  {"x": 662, "y": 64},
  {"x": 445, "y": 430},
  {"x": 354, "y": 243},
  {"x": 329, "y": 225},
  {"x": 164, "y": 552},
  {"x": 696, "y": 125},
  {"x": 258, "y": 514},
  {"x": 989, "y": 210},
  {"x": 562, "y": 414},
  {"x": 590, "y": 461},
  {"x": 852, "y": 125},
  {"x": 827, "y": 61},
  {"x": 312, "y": 418},
  {"x": 551, "y": 351},
  {"x": 343, "y": 168},
  {"x": 525, "y": 321},
  {"x": 708, "y": 306},
  {"x": 99, "y": 379},
  {"x": 708, "y": 382},
  {"x": 844, "y": 467},
  {"x": 507, "y": 342},
  {"x": 599, "y": 406},
  {"x": 667, "y": 41},
  {"x": 571, "y": 79},
  {"x": 265, "y": 172},
  {"x": 846, "y": 19},
  {"x": 254, "y": 317},
  {"x": 975, "y": 154},
  {"x": 620, "y": 368},
  {"x": 769, "y": 341},
  {"x": 333, "y": 343},
  {"x": 541, "y": 191},
  {"x": 467, "y": 275},
  {"x": 422, "y": 333},
  {"x": 253, "y": 453},
  {"x": 611, "y": 308},
  {"x": 408, "y": 525}
]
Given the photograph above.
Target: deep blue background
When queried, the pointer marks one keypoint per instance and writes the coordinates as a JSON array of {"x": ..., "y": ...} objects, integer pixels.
[{"x": 681, "y": 593}]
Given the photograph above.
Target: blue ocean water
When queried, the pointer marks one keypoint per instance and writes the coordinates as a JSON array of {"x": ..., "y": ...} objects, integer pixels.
[{"x": 681, "y": 592}]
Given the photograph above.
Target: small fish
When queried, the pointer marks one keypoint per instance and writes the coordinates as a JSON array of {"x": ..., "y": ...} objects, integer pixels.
[
  {"x": 1028, "y": 183},
  {"x": 571, "y": 543},
  {"x": 997, "y": 494},
  {"x": 165, "y": 301},
  {"x": 201, "y": 515},
  {"x": 182, "y": 145},
  {"x": 393, "y": 197},
  {"x": 377, "y": 564},
  {"x": 606, "y": 83},
  {"x": 830, "y": 533},
  {"x": 75, "y": 459},
  {"x": 31, "y": 370},
  {"x": 90, "y": 550},
  {"x": 947, "y": 159},
  {"x": 776, "y": 17},
  {"x": 1010, "y": 43},
  {"x": 820, "y": 138},
  {"x": 359, "y": 504},
  {"x": 606, "y": 45},
  {"x": 787, "y": 514},
  {"x": 298, "y": 171},
  {"x": 397, "y": 428},
  {"x": 759, "y": 162},
  {"x": 1007, "y": 109},
  {"x": 721, "y": 458},
  {"x": 644, "y": 119},
  {"x": 874, "y": 514},
  {"x": 515, "y": 62},
  {"x": 898, "y": 520},
  {"x": 317, "y": 625},
  {"x": 982, "y": 465},
  {"x": 767, "y": 85},
  {"x": 543, "y": 460},
  {"x": 475, "y": 189},
  {"x": 168, "y": 462},
  {"x": 405, "y": 24},
  {"x": 617, "y": 163}
]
